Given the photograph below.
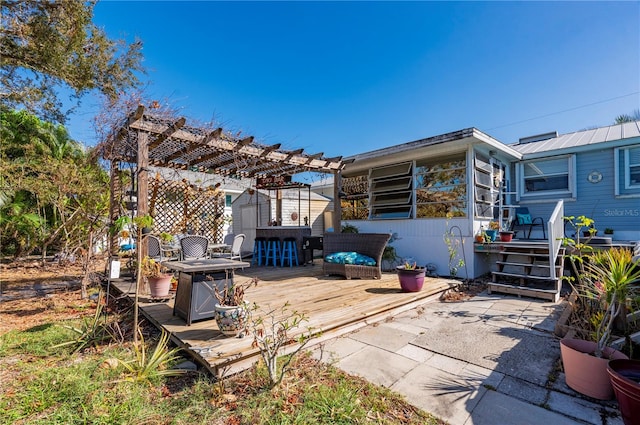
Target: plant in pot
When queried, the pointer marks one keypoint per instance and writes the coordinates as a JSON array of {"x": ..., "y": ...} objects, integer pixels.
[
  {"x": 231, "y": 310},
  {"x": 411, "y": 276},
  {"x": 493, "y": 229},
  {"x": 604, "y": 284},
  {"x": 158, "y": 277}
]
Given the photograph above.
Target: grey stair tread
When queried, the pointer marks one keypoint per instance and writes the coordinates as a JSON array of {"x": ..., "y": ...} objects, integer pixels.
[
  {"x": 511, "y": 263},
  {"x": 523, "y": 288},
  {"x": 524, "y": 276},
  {"x": 526, "y": 254}
]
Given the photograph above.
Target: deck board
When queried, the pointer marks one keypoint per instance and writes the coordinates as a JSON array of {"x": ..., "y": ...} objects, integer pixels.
[{"x": 332, "y": 304}]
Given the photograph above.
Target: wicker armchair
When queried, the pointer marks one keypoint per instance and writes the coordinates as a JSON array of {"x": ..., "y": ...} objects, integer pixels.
[{"x": 369, "y": 244}]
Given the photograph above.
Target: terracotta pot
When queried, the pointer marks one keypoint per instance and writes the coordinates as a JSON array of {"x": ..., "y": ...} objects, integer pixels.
[
  {"x": 625, "y": 378},
  {"x": 231, "y": 319},
  {"x": 159, "y": 286},
  {"x": 584, "y": 372},
  {"x": 506, "y": 236},
  {"x": 411, "y": 280}
]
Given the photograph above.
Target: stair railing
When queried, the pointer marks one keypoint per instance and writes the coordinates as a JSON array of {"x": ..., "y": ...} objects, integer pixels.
[{"x": 555, "y": 230}]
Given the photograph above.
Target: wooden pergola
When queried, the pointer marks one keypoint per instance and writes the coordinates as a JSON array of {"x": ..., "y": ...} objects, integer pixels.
[{"x": 148, "y": 137}]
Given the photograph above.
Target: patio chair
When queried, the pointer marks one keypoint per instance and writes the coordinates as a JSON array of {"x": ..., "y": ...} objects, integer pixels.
[
  {"x": 156, "y": 251},
  {"x": 194, "y": 247},
  {"x": 236, "y": 247},
  {"x": 526, "y": 223}
]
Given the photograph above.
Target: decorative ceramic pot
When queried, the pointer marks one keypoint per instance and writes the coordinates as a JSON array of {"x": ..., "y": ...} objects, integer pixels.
[
  {"x": 231, "y": 319},
  {"x": 493, "y": 234},
  {"x": 411, "y": 280},
  {"x": 584, "y": 372},
  {"x": 625, "y": 378},
  {"x": 159, "y": 286}
]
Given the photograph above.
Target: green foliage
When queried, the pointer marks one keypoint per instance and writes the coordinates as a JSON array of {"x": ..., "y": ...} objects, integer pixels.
[
  {"x": 78, "y": 56},
  {"x": 91, "y": 333},
  {"x": 145, "y": 367},
  {"x": 634, "y": 116},
  {"x": 349, "y": 228},
  {"x": 52, "y": 192}
]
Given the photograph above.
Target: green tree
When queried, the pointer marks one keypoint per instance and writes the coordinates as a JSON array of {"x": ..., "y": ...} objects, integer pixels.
[
  {"x": 52, "y": 192},
  {"x": 634, "y": 116},
  {"x": 49, "y": 46}
]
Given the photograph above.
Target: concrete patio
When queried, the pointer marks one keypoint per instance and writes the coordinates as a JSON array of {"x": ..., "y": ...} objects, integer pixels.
[{"x": 489, "y": 360}]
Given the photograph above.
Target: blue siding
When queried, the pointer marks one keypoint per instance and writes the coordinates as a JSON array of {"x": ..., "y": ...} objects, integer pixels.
[{"x": 596, "y": 200}]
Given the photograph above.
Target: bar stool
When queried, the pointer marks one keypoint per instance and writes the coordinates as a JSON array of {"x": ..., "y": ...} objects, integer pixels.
[
  {"x": 273, "y": 250},
  {"x": 259, "y": 251},
  {"x": 289, "y": 251}
]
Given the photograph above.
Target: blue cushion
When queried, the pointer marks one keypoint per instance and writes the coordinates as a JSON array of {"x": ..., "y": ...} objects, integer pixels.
[
  {"x": 524, "y": 218},
  {"x": 350, "y": 258}
]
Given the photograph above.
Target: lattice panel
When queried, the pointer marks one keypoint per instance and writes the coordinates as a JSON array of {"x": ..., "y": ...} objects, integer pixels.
[{"x": 178, "y": 207}]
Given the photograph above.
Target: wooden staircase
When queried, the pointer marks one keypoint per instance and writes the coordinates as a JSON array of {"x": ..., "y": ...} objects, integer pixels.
[{"x": 523, "y": 269}]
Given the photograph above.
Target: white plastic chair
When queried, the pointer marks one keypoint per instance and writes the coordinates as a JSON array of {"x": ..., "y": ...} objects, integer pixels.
[{"x": 236, "y": 247}]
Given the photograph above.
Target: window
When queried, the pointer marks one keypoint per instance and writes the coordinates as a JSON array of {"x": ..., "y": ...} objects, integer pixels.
[
  {"x": 632, "y": 168},
  {"x": 391, "y": 191},
  {"x": 354, "y": 200},
  {"x": 227, "y": 200},
  {"x": 489, "y": 175},
  {"x": 441, "y": 187},
  {"x": 548, "y": 176}
]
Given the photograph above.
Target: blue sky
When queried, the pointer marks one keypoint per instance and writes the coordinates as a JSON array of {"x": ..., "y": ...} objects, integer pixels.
[{"x": 349, "y": 77}]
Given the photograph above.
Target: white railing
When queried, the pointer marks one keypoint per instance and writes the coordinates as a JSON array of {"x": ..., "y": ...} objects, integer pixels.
[{"x": 555, "y": 228}]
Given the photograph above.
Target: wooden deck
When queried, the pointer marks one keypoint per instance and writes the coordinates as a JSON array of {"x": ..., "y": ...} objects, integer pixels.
[{"x": 332, "y": 304}]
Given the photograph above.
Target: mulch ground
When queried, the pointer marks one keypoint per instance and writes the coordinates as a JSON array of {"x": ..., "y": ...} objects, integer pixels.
[{"x": 32, "y": 294}]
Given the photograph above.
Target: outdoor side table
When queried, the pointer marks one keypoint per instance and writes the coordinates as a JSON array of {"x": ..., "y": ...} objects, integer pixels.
[
  {"x": 197, "y": 282},
  {"x": 310, "y": 243}
]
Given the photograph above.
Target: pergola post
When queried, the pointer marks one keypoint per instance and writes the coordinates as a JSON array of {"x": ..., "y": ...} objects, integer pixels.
[
  {"x": 142, "y": 170},
  {"x": 337, "y": 206}
]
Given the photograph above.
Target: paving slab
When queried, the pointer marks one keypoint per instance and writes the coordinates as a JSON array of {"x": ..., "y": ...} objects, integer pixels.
[
  {"x": 576, "y": 407},
  {"x": 383, "y": 336},
  {"x": 378, "y": 366},
  {"x": 523, "y": 390},
  {"x": 515, "y": 352},
  {"x": 445, "y": 394},
  {"x": 496, "y": 408}
]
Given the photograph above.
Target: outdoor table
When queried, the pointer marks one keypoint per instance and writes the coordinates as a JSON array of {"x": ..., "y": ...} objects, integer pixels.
[{"x": 197, "y": 283}]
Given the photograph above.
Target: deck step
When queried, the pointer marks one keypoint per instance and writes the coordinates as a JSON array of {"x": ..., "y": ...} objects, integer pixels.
[
  {"x": 545, "y": 294},
  {"x": 523, "y": 276},
  {"x": 510, "y": 263}
]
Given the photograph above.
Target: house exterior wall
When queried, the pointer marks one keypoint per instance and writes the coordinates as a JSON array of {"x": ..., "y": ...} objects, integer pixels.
[
  {"x": 423, "y": 241},
  {"x": 595, "y": 199}
]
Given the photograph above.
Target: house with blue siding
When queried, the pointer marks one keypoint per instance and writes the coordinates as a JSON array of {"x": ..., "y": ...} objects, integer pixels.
[
  {"x": 436, "y": 194},
  {"x": 596, "y": 172}
]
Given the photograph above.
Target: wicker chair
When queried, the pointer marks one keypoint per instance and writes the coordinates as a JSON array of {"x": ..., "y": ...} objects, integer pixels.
[{"x": 369, "y": 244}]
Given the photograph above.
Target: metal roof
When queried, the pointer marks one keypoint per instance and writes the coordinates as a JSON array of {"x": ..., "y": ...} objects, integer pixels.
[{"x": 582, "y": 139}]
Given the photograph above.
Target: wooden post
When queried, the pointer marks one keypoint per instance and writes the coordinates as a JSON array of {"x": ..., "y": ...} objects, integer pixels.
[
  {"x": 337, "y": 206},
  {"x": 143, "y": 182},
  {"x": 115, "y": 184}
]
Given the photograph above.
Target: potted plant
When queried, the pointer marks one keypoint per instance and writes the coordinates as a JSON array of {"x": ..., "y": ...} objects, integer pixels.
[
  {"x": 230, "y": 311},
  {"x": 411, "y": 276},
  {"x": 166, "y": 237},
  {"x": 493, "y": 229},
  {"x": 158, "y": 277},
  {"x": 506, "y": 235},
  {"x": 604, "y": 281},
  {"x": 608, "y": 231}
]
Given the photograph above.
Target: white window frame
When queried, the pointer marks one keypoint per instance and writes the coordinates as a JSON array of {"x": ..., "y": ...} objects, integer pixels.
[
  {"x": 570, "y": 192},
  {"x": 627, "y": 168}
]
